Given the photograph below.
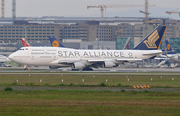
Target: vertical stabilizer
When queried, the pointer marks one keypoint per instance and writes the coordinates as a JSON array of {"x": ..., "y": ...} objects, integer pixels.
[
  {"x": 153, "y": 40},
  {"x": 23, "y": 43},
  {"x": 127, "y": 45},
  {"x": 55, "y": 42},
  {"x": 168, "y": 48}
]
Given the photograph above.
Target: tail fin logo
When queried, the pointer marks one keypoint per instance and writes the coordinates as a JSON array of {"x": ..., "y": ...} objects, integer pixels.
[
  {"x": 150, "y": 43},
  {"x": 55, "y": 43},
  {"x": 168, "y": 46}
]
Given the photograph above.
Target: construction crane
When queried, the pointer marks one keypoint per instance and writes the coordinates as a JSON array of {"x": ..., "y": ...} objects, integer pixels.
[
  {"x": 102, "y": 7},
  {"x": 146, "y": 12},
  {"x": 172, "y": 12},
  {"x": 13, "y": 9},
  {"x": 2, "y": 8},
  {"x": 168, "y": 12},
  {"x": 118, "y": 31}
]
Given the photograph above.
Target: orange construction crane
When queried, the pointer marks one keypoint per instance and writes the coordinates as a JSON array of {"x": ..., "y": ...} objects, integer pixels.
[
  {"x": 173, "y": 12},
  {"x": 118, "y": 31},
  {"x": 102, "y": 7},
  {"x": 168, "y": 12}
]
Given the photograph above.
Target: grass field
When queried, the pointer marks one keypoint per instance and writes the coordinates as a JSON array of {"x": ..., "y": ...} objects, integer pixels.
[
  {"x": 98, "y": 103},
  {"x": 109, "y": 80},
  {"x": 88, "y": 102}
]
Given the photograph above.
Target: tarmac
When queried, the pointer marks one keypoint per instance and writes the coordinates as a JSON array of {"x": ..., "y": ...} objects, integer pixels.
[
  {"x": 113, "y": 89},
  {"x": 149, "y": 71}
]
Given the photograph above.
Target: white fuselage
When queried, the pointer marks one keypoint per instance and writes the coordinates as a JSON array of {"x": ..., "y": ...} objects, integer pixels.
[
  {"x": 4, "y": 59},
  {"x": 53, "y": 56},
  {"x": 174, "y": 57}
]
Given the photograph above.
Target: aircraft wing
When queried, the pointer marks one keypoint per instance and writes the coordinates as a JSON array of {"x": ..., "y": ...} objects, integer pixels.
[
  {"x": 97, "y": 60},
  {"x": 88, "y": 61},
  {"x": 129, "y": 60},
  {"x": 67, "y": 61},
  {"x": 64, "y": 61},
  {"x": 100, "y": 60}
]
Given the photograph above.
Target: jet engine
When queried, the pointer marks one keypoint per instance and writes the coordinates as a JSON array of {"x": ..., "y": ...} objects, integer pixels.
[
  {"x": 108, "y": 65},
  {"x": 78, "y": 65},
  {"x": 174, "y": 57}
]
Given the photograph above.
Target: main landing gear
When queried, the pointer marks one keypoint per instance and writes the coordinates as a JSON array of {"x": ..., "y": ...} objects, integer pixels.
[{"x": 84, "y": 69}]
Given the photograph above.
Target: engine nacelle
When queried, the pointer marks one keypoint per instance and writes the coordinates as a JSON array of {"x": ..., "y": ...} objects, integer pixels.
[
  {"x": 108, "y": 65},
  {"x": 78, "y": 65}
]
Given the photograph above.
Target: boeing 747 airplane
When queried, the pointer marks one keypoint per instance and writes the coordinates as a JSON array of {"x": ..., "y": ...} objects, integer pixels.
[{"x": 86, "y": 59}]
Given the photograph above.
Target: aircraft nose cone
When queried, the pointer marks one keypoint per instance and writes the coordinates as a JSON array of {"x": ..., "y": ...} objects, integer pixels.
[{"x": 11, "y": 57}]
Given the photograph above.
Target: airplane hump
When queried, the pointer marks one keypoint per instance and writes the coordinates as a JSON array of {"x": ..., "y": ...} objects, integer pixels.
[{"x": 153, "y": 40}]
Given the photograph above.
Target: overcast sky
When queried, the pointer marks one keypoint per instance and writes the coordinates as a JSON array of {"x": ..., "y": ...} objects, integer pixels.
[{"x": 73, "y": 8}]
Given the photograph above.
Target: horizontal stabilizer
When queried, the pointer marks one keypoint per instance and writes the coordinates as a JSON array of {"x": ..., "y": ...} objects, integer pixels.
[{"x": 157, "y": 53}]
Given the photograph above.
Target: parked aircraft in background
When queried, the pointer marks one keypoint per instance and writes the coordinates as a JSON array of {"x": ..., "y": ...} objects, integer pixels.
[
  {"x": 54, "y": 42},
  {"x": 86, "y": 59},
  {"x": 127, "y": 45},
  {"x": 170, "y": 54},
  {"x": 4, "y": 59}
]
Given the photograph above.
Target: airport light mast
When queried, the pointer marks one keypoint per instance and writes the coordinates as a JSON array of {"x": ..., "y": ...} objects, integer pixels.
[{"x": 14, "y": 9}]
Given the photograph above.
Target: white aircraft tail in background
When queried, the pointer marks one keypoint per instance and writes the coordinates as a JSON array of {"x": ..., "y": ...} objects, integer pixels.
[{"x": 127, "y": 45}]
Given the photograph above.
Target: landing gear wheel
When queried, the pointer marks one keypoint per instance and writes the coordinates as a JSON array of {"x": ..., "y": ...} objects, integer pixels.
[{"x": 87, "y": 69}]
